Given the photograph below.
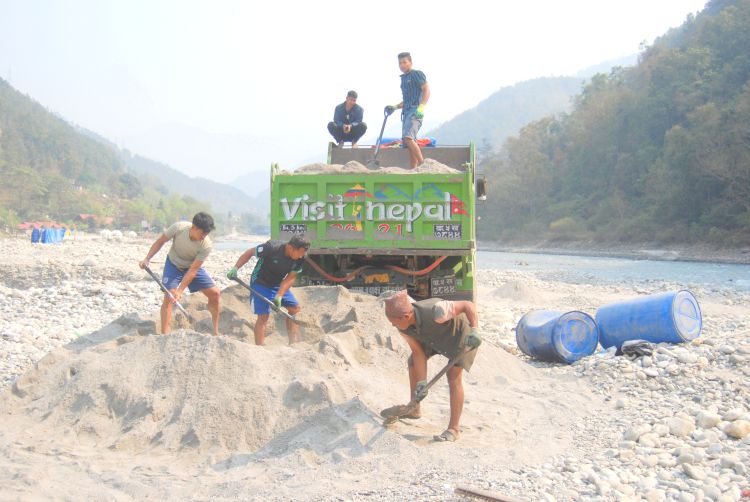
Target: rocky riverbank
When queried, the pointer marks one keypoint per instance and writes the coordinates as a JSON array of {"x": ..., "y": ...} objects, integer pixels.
[{"x": 113, "y": 412}]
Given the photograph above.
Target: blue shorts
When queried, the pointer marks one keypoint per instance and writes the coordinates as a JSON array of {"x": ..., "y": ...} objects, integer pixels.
[
  {"x": 173, "y": 275},
  {"x": 261, "y": 307},
  {"x": 411, "y": 124}
]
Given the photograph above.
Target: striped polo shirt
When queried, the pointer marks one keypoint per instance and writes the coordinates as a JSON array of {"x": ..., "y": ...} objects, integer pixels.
[{"x": 411, "y": 88}]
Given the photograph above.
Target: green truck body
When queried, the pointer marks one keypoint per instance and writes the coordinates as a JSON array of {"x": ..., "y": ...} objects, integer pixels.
[{"x": 377, "y": 231}]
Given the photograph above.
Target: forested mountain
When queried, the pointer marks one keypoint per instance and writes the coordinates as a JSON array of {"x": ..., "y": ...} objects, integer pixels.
[
  {"x": 53, "y": 170},
  {"x": 655, "y": 152},
  {"x": 503, "y": 113},
  {"x": 47, "y": 168}
]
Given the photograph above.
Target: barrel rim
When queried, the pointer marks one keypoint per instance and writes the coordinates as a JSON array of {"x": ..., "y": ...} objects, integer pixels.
[
  {"x": 699, "y": 319},
  {"x": 566, "y": 355}
]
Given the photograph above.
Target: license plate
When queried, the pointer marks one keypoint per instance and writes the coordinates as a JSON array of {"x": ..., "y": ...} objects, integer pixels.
[{"x": 442, "y": 286}]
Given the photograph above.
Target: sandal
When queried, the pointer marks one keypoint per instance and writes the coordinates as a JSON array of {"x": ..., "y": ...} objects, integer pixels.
[{"x": 447, "y": 435}]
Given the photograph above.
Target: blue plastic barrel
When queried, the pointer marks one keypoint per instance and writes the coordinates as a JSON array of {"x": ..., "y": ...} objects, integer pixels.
[
  {"x": 35, "y": 235},
  {"x": 556, "y": 336},
  {"x": 673, "y": 317}
]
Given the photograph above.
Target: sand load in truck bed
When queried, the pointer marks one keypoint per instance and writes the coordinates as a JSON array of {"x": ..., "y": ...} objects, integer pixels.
[{"x": 429, "y": 166}]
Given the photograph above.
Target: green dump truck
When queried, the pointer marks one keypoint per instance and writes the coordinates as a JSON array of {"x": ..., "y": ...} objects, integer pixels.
[{"x": 375, "y": 230}]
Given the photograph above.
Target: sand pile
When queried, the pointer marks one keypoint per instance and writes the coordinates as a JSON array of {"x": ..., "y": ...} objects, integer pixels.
[
  {"x": 228, "y": 405},
  {"x": 120, "y": 389},
  {"x": 183, "y": 391},
  {"x": 518, "y": 291},
  {"x": 354, "y": 167}
]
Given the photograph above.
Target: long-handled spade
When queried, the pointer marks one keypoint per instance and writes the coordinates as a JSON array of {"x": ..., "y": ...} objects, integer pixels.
[
  {"x": 373, "y": 162},
  {"x": 394, "y": 413},
  {"x": 168, "y": 293},
  {"x": 273, "y": 305}
]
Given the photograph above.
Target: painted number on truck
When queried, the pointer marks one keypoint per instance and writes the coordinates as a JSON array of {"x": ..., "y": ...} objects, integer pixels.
[
  {"x": 386, "y": 227},
  {"x": 294, "y": 228},
  {"x": 451, "y": 231},
  {"x": 349, "y": 227}
]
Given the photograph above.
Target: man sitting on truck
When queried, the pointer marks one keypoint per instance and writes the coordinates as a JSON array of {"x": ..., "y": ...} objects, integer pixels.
[
  {"x": 347, "y": 122},
  {"x": 274, "y": 273},
  {"x": 436, "y": 326}
]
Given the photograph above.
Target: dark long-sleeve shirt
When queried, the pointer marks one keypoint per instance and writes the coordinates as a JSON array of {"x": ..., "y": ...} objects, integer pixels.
[{"x": 353, "y": 116}]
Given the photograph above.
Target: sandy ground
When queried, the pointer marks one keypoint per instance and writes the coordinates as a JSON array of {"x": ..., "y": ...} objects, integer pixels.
[{"x": 99, "y": 407}]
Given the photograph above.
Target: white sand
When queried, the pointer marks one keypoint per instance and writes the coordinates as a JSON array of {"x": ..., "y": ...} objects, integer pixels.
[
  {"x": 223, "y": 405},
  {"x": 119, "y": 415},
  {"x": 354, "y": 167}
]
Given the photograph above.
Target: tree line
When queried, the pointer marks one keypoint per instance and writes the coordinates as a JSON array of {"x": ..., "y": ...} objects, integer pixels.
[{"x": 659, "y": 151}]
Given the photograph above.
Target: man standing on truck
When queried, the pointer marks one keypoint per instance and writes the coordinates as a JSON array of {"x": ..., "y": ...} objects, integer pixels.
[
  {"x": 347, "y": 122},
  {"x": 436, "y": 326},
  {"x": 415, "y": 92},
  {"x": 183, "y": 267},
  {"x": 274, "y": 273}
]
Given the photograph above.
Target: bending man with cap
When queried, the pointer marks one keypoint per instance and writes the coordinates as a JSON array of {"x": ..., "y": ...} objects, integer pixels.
[
  {"x": 436, "y": 326},
  {"x": 277, "y": 267}
]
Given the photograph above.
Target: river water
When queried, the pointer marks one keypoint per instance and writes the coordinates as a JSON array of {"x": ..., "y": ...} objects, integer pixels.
[{"x": 594, "y": 270}]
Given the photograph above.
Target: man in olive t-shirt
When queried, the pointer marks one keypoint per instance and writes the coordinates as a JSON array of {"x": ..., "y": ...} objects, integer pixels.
[{"x": 183, "y": 267}]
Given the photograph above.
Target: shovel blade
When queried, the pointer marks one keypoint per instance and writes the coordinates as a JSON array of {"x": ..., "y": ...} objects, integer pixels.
[{"x": 399, "y": 411}]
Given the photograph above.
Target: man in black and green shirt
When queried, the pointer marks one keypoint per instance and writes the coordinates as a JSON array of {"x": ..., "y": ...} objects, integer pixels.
[{"x": 274, "y": 273}]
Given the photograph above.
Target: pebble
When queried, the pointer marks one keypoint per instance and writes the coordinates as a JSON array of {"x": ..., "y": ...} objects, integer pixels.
[
  {"x": 707, "y": 419},
  {"x": 680, "y": 426},
  {"x": 694, "y": 472},
  {"x": 738, "y": 429},
  {"x": 733, "y": 414}
]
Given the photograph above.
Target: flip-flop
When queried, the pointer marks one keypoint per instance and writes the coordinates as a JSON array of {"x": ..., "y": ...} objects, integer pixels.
[{"x": 446, "y": 436}]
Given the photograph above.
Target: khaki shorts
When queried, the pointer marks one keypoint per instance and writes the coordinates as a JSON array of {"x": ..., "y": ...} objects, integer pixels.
[
  {"x": 411, "y": 125},
  {"x": 466, "y": 362}
]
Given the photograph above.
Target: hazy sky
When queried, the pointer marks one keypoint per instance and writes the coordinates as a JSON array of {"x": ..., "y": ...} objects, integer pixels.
[{"x": 221, "y": 88}]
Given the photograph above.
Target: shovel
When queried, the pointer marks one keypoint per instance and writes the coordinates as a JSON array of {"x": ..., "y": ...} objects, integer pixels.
[
  {"x": 394, "y": 413},
  {"x": 168, "y": 292},
  {"x": 373, "y": 162},
  {"x": 273, "y": 305}
]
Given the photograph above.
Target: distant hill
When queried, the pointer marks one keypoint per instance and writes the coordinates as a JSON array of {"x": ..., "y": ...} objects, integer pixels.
[
  {"x": 507, "y": 110},
  {"x": 223, "y": 198},
  {"x": 253, "y": 182},
  {"x": 607, "y": 66}
]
